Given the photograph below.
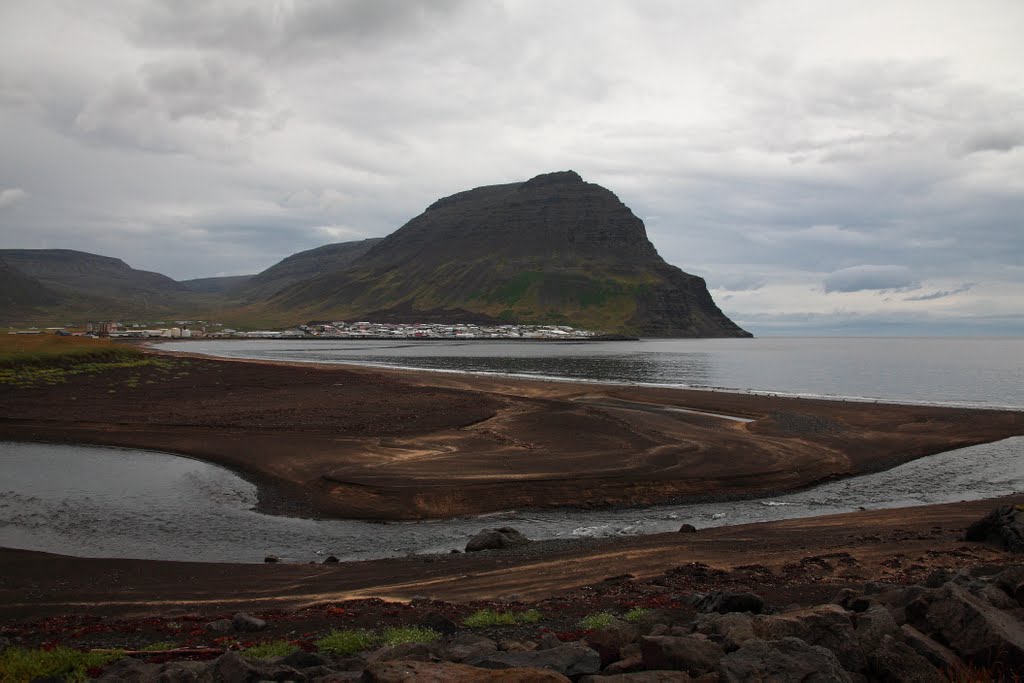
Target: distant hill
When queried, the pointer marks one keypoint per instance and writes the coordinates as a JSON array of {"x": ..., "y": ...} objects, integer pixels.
[
  {"x": 83, "y": 285},
  {"x": 21, "y": 292},
  {"x": 64, "y": 285},
  {"x": 217, "y": 285},
  {"x": 80, "y": 272},
  {"x": 553, "y": 249},
  {"x": 302, "y": 266}
]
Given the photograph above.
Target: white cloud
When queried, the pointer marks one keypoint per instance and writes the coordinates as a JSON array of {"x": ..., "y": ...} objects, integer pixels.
[{"x": 12, "y": 196}]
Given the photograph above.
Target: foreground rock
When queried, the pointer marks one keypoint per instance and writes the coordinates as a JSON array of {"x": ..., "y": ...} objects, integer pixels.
[
  {"x": 448, "y": 672},
  {"x": 877, "y": 632},
  {"x": 570, "y": 660},
  {"x": 788, "y": 659},
  {"x": 1003, "y": 527},
  {"x": 496, "y": 539}
]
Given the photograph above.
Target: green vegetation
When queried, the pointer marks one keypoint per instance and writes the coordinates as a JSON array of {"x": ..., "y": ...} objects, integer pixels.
[
  {"x": 30, "y": 360},
  {"x": 635, "y": 614},
  {"x": 592, "y": 622},
  {"x": 18, "y": 664},
  {"x": 396, "y": 635},
  {"x": 346, "y": 642},
  {"x": 160, "y": 646},
  {"x": 271, "y": 648},
  {"x": 487, "y": 617},
  {"x": 49, "y": 349},
  {"x": 349, "y": 641}
]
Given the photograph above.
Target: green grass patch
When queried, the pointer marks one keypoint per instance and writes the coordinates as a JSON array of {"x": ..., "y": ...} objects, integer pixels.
[
  {"x": 593, "y": 622},
  {"x": 396, "y": 635},
  {"x": 271, "y": 648},
  {"x": 30, "y": 375},
  {"x": 635, "y": 614},
  {"x": 18, "y": 664},
  {"x": 488, "y": 617},
  {"x": 346, "y": 642},
  {"x": 160, "y": 646}
]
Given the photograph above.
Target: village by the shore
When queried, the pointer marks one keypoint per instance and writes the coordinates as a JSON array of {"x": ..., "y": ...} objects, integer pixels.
[{"x": 200, "y": 329}]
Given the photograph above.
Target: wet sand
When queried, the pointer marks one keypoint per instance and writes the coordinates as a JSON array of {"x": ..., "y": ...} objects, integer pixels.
[
  {"x": 352, "y": 442},
  {"x": 786, "y": 560}
]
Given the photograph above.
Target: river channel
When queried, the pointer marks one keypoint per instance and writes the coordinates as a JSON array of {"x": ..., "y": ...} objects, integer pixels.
[{"x": 106, "y": 502}]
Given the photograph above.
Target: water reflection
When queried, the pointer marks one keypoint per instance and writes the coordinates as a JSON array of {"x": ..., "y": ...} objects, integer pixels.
[{"x": 973, "y": 372}]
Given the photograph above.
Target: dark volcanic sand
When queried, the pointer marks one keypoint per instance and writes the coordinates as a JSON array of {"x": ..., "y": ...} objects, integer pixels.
[
  {"x": 367, "y": 443},
  {"x": 349, "y": 441}
]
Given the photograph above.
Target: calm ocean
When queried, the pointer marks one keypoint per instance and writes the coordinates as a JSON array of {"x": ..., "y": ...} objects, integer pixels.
[{"x": 980, "y": 372}]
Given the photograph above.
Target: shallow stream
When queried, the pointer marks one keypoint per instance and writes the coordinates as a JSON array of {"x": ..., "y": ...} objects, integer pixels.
[{"x": 106, "y": 502}]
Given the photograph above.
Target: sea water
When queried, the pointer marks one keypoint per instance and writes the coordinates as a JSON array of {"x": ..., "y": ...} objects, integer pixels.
[{"x": 977, "y": 372}]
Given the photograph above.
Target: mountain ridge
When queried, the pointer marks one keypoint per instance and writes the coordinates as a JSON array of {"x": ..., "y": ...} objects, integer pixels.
[{"x": 552, "y": 249}]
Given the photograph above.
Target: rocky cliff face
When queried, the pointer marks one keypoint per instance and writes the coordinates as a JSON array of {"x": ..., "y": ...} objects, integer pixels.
[{"x": 553, "y": 249}]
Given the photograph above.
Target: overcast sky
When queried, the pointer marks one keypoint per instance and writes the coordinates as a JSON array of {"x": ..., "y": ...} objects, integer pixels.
[{"x": 828, "y": 167}]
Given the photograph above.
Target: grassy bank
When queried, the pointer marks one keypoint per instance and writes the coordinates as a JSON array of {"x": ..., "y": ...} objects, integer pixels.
[{"x": 29, "y": 360}]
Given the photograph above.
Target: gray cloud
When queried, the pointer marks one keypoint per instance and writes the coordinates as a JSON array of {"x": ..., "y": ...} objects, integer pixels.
[
  {"x": 868, "y": 277},
  {"x": 1002, "y": 139},
  {"x": 219, "y": 136},
  {"x": 942, "y": 293}
]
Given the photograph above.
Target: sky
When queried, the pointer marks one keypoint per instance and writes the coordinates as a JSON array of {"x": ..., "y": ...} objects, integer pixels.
[{"x": 828, "y": 167}]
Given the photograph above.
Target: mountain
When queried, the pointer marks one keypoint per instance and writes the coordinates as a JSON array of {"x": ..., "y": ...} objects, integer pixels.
[
  {"x": 78, "y": 272},
  {"x": 217, "y": 285},
  {"x": 20, "y": 292},
  {"x": 553, "y": 249},
  {"x": 305, "y": 265}
]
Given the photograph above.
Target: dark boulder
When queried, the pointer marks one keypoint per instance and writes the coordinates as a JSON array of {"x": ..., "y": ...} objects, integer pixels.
[
  {"x": 895, "y": 662},
  {"x": 939, "y": 655},
  {"x": 693, "y": 654},
  {"x": 829, "y": 626},
  {"x": 609, "y": 641},
  {"x": 724, "y": 602},
  {"x": 1003, "y": 526},
  {"x": 233, "y": 667},
  {"x": 244, "y": 622},
  {"x": 469, "y": 646},
  {"x": 788, "y": 659},
  {"x": 450, "y": 672},
  {"x": 440, "y": 623},
  {"x": 569, "y": 660},
  {"x": 496, "y": 539},
  {"x": 970, "y": 626},
  {"x": 687, "y": 529}
]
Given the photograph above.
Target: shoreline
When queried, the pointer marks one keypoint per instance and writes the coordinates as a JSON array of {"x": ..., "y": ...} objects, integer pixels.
[{"x": 349, "y": 441}]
